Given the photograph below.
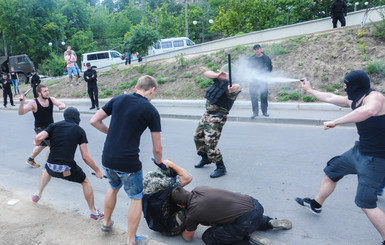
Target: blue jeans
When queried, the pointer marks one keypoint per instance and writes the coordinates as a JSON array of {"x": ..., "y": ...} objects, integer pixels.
[
  {"x": 133, "y": 182},
  {"x": 15, "y": 83}
]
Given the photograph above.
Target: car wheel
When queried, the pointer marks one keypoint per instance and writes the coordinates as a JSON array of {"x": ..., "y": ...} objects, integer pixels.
[{"x": 23, "y": 78}]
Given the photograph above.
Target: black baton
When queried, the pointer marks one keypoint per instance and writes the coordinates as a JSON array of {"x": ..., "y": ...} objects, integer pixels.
[
  {"x": 229, "y": 66},
  {"x": 103, "y": 175}
]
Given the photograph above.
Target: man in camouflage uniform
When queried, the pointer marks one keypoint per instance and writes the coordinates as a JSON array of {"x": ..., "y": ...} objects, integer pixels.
[
  {"x": 160, "y": 180},
  {"x": 220, "y": 98}
]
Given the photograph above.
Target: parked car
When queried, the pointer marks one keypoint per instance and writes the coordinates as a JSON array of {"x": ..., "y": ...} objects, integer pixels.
[
  {"x": 169, "y": 44},
  {"x": 21, "y": 63},
  {"x": 101, "y": 59}
]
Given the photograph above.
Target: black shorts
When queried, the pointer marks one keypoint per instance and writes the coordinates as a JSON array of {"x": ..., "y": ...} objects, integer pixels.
[
  {"x": 44, "y": 142},
  {"x": 77, "y": 174}
]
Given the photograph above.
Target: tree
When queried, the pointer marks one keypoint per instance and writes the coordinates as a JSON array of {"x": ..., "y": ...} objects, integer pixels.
[{"x": 140, "y": 38}]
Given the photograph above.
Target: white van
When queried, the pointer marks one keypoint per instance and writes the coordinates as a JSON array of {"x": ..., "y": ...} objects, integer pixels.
[
  {"x": 170, "y": 44},
  {"x": 101, "y": 59}
]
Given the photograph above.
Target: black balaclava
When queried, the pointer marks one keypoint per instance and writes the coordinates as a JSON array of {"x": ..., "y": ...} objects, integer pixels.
[
  {"x": 357, "y": 84},
  {"x": 72, "y": 114}
]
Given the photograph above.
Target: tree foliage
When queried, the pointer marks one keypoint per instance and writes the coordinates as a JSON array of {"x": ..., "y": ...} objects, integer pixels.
[{"x": 27, "y": 26}]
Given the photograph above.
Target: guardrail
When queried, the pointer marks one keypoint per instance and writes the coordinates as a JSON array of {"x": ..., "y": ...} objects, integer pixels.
[{"x": 352, "y": 19}]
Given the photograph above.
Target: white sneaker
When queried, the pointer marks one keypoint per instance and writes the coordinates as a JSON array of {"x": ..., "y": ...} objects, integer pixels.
[{"x": 260, "y": 241}]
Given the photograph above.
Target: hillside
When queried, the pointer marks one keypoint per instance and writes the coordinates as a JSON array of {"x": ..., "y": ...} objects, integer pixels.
[{"x": 323, "y": 58}]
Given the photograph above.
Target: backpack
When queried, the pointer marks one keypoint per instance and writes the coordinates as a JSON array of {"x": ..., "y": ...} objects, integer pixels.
[{"x": 160, "y": 213}]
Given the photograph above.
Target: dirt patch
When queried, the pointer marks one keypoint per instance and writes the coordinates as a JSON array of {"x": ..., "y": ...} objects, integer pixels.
[{"x": 323, "y": 58}]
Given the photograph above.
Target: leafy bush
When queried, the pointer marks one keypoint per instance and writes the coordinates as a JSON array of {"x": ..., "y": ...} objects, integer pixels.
[
  {"x": 187, "y": 75},
  {"x": 376, "y": 67},
  {"x": 181, "y": 60},
  {"x": 379, "y": 27},
  {"x": 294, "y": 95},
  {"x": 277, "y": 49},
  {"x": 337, "y": 85},
  {"x": 282, "y": 93},
  {"x": 204, "y": 82},
  {"x": 309, "y": 98},
  {"x": 150, "y": 71},
  {"x": 53, "y": 66},
  {"x": 140, "y": 69}
]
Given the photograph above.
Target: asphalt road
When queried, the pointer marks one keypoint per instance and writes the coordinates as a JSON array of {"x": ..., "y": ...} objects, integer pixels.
[{"x": 272, "y": 162}]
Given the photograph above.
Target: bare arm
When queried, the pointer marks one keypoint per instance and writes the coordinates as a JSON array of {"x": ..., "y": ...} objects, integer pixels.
[
  {"x": 157, "y": 146},
  {"x": 23, "y": 109},
  {"x": 184, "y": 175},
  {"x": 212, "y": 74},
  {"x": 331, "y": 98},
  {"x": 89, "y": 161},
  {"x": 188, "y": 235},
  {"x": 97, "y": 121},
  {"x": 58, "y": 103},
  {"x": 40, "y": 137},
  {"x": 373, "y": 105}
]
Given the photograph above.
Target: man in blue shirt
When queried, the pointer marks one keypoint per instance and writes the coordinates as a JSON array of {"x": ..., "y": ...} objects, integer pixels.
[{"x": 131, "y": 114}]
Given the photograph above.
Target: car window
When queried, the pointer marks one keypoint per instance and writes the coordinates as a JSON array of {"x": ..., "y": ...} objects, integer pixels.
[
  {"x": 102, "y": 55},
  {"x": 167, "y": 44},
  {"x": 190, "y": 43},
  {"x": 115, "y": 55},
  {"x": 91, "y": 57},
  {"x": 21, "y": 60},
  {"x": 157, "y": 45},
  {"x": 179, "y": 43}
]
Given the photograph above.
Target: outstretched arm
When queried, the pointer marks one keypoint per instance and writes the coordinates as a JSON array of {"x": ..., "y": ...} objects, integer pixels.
[
  {"x": 212, "y": 75},
  {"x": 373, "y": 105},
  {"x": 157, "y": 146},
  {"x": 331, "y": 98}
]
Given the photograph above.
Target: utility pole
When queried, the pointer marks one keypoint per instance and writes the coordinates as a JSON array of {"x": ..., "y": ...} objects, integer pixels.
[
  {"x": 186, "y": 17},
  {"x": 5, "y": 44}
]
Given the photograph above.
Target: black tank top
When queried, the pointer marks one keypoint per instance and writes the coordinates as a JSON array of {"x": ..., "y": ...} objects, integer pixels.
[
  {"x": 43, "y": 115},
  {"x": 372, "y": 135}
]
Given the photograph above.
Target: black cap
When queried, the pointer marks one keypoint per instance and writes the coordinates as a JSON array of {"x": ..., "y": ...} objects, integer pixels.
[
  {"x": 33, "y": 70},
  {"x": 257, "y": 46},
  {"x": 88, "y": 64}
]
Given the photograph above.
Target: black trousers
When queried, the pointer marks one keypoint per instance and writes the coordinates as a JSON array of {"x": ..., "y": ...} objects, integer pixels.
[
  {"x": 339, "y": 17},
  {"x": 9, "y": 94},
  {"x": 259, "y": 88},
  {"x": 238, "y": 231},
  {"x": 93, "y": 93},
  {"x": 35, "y": 94}
]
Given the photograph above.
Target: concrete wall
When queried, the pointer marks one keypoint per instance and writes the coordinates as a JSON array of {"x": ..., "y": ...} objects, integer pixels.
[{"x": 314, "y": 26}]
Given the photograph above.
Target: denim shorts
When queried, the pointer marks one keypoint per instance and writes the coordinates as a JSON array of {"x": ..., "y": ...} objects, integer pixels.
[
  {"x": 132, "y": 182},
  {"x": 72, "y": 71},
  {"x": 370, "y": 172}
]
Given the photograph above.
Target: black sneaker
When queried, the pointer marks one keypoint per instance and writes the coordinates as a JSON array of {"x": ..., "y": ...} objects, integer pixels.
[{"x": 306, "y": 202}]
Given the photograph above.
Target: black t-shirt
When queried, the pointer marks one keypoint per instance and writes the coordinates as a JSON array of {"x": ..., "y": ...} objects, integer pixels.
[
  {"x": 6, "y": 83},
  {"x": 130, "y": 116},
  {"x": 13, "y": 75},
  {"x": 262, "y": 63},
  {"x": 65, "y": 136},
  {"x": 212, "y": 206},
  {"x": 91, "y": 82}
]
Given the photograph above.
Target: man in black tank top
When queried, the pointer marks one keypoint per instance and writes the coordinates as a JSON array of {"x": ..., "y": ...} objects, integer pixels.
[
  {"x": 42, "y": 109},
  {"x": 367, "y": 157}
]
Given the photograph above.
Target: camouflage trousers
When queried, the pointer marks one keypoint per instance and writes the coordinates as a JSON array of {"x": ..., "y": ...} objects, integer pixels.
[{"x": 207, "y": 135}]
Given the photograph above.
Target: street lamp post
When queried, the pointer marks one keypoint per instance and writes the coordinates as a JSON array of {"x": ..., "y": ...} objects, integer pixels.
[
  {"x": 203, "y": 27},
  {"x": 57, "y": 46}
]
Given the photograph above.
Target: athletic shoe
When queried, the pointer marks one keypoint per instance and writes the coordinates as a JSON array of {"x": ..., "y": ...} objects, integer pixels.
[
  {"x": 254, "y": 239},
  {"x": 306, "y": 202},
  {"x": 281, "y": 223},
  {"x": 99, "y": 215},
  {"x": 107, "y": 228},
  {"x": 32, "y": 163},
  {"x": 35, "y": 198}
]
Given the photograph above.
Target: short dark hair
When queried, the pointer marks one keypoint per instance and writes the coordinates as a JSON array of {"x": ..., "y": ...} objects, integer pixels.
[
  {"x": 257, "y": 46},
  {"x": 180, "y": 196},
  {"x": 39, "y": 87}
]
